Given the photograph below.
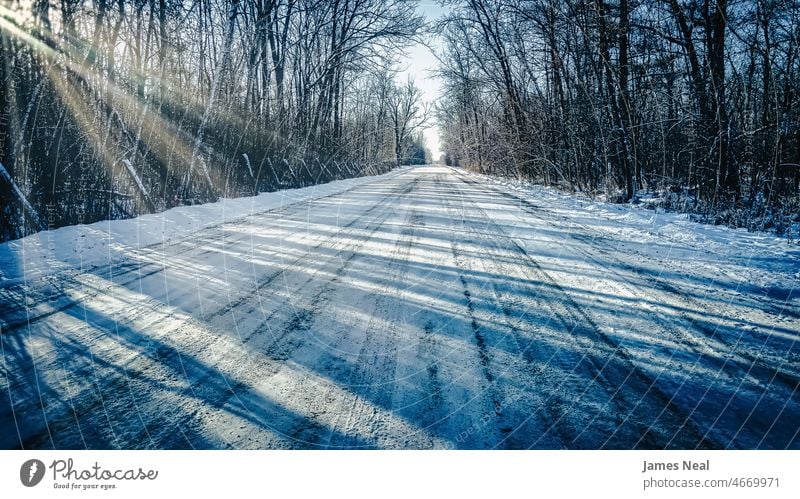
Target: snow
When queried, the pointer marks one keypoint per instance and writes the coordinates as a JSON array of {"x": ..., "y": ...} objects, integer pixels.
[
  {"x": 102, "y": 243},
  {"x": 664, "y": 235},
  {"x": 425, "y": 308}
]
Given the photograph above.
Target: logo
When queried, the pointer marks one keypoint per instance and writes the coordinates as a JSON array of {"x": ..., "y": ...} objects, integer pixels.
[{"x": 31, "y": 472}]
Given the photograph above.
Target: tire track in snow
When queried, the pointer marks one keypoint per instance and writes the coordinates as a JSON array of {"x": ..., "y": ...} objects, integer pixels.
[
  {"x": 48, "y": 286},
  {"x": 499, "y": 416},
  {"x": 171, "y": 357},
  {"x": 373, "y": 373},
  {"x": 280, "y": 347},
  {"x": 750, "y": 373},
  {"x": 269, "y": 279},
  {"x": 701, "y": 344},
  {"x": 614, "y": 369},
  {"x": 548, "y": 412}
]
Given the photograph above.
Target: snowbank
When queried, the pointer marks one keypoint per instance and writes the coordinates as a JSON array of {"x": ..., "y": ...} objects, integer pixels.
[
  {"x": 669, "y": 235},
  {"x": 100, "y": 243}
]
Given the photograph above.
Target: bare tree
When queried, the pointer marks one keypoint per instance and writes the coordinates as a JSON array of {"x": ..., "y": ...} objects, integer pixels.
[
  {"x": 409, "y": 114},
  {"x": 111, "y": 108},
  {"x": 692, "y": 99}
]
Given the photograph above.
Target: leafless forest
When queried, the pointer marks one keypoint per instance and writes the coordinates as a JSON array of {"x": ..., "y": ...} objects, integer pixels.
[
  {"x": 697, "y": 99},
  {"x": 113, "y": 108}
]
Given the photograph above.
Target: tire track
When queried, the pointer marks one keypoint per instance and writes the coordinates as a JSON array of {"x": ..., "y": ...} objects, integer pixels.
[
  {"x": 700, "y": 344},
  {"x": 210, "y": 386},
  {"x": 729, "y": 358},
  {"x": 372, "y": 376},
  {"x": 613, "y": 367},
  {"x": 499, "y": 414},
  {"x": 10, "y": 298}
]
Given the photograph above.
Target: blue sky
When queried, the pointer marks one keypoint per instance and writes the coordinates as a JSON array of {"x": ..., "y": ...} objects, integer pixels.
[{"x": 418, "y": 64}]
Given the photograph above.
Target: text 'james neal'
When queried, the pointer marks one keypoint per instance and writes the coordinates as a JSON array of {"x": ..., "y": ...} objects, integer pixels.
[{"x": 685, "y": 466}]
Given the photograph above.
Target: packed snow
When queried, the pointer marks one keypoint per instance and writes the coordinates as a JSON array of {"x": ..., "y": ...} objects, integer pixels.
[{"x": 425, "y": 308}]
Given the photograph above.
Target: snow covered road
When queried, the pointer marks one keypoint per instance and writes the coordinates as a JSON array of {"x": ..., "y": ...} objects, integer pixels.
[{"x": 425, "y": 308}]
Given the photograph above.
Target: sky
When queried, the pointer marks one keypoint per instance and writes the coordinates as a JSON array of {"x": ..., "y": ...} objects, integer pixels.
[{"x": 418, "y": 64}]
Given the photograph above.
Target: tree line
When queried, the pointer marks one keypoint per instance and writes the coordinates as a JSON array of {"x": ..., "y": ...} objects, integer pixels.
[
  {"x": 695, "y": 99},
  {"x": 114, "y": 108}
]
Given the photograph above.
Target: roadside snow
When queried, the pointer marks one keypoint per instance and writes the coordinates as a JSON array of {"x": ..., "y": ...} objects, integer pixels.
[
  {"x": 767, "y": 260},
  {"x": 102, "y": 243}
]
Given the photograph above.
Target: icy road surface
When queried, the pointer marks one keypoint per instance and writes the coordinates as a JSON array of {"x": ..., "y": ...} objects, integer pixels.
[{"x": 426, "y": 308}]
